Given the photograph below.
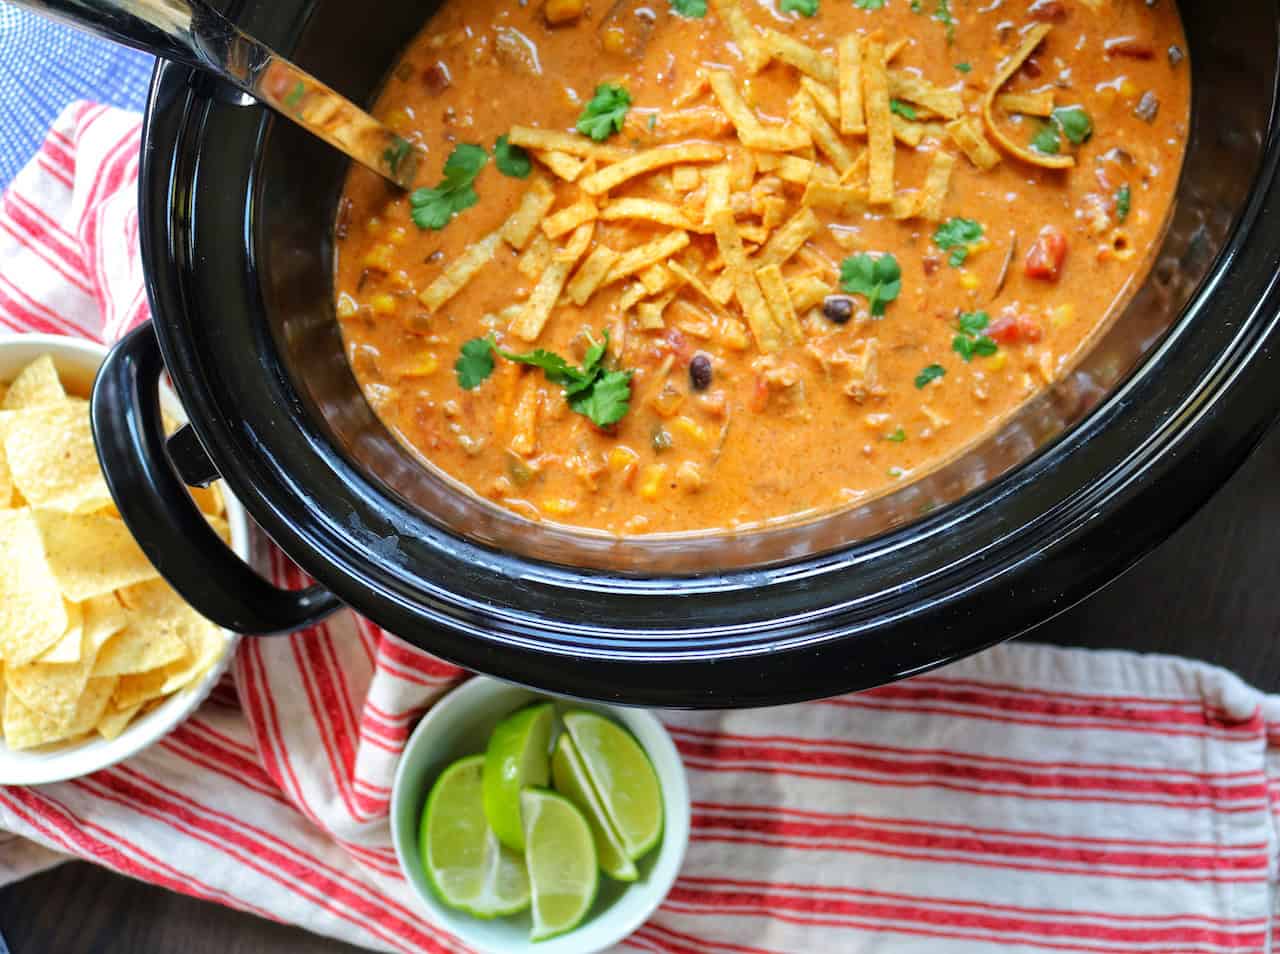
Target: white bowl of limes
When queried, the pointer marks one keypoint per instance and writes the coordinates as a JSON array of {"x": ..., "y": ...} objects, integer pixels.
[{"x": 532, "y": 823}]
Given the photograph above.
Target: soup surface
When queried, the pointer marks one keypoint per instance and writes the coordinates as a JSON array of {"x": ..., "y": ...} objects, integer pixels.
[{"x": 686, "y": 265}]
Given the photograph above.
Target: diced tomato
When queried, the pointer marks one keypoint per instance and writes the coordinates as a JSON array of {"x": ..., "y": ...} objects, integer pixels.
[
  {"x": 1047, "y": 254},
  {"x": 1015, "y": 329},
  {"x": 759, "y": 398}
]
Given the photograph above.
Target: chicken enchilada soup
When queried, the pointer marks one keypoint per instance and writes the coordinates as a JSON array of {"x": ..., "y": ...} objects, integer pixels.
[{"x": 705, "y": 264}]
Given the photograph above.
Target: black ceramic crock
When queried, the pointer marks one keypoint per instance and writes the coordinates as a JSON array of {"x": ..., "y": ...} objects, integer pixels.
[{"x": 236, "y": 220}]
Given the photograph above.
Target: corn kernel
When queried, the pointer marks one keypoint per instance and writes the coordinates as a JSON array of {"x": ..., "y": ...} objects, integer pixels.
[
  {"x": 652, "y": 480},
  {"x": 383, "y": 304},
  {"x": 997, "y": 361},
  {"x": 614, "y": 40},
  {"x": 1062, "y": 315},
  {"x": 1129, "y": 88},
  {"x": 563, "y": 11},
  {"x": 690, "y": 428},
  {"x": 374, "y": 226},
  {"x": 622, "y": 457},
  {"x": 400, "y": 278},
  {"x": 667, "y": 401},
  {"x": 421, "y": 365},
  {"x": 559, "y": 506},
  {"x": 689, "y": 477},
  {"x": 347, "y": 306},
  {"x": 968, "y": 280},
  {"x": 399, "y": 121},
  {"x": 398, "y": 235},
  {"x": 378, "y": 258}
]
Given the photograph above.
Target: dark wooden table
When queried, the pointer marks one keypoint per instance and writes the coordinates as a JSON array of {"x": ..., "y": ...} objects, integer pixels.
[{"x": 1211, "y": 592}]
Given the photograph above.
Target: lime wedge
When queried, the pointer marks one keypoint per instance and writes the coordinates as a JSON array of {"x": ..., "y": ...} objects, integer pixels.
[
  {"x": 466, "y": 865},
  {"x": 570, "y": 779},
  {"x": 561, "y": 859},
  {"x": 518, "y": 755},
  {"x": 622, "y": 775}
]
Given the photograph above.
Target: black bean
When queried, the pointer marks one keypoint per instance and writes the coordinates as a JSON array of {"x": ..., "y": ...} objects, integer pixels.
[
  {"x": 700, "y": 372},
  {"x": 837, "y": 308},
  {"x": 1147, "y": 108},
  {"x": 1176, "y": 55}
]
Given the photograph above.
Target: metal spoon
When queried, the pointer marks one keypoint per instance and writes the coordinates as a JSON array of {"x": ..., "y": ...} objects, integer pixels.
[{"x": 193, "y": 33}]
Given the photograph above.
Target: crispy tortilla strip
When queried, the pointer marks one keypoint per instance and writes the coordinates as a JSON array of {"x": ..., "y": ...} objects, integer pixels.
[
  {"x": 752, "y": 133},
  {"x": 1032, "y": 39},
  {"x": 648, "y": 210},
  {"x": 657, "y": 278},
  {"x": 807, "y": 291},
  {"x": 856, "y": 174},
  {"x": 524, "y": 417},
  {"x": 460, "y": 272},
  {"x": 936, "y": 183},
  {"x": 774, "y": 289},
  {"x": 548, "y": 140},
  {"x": 914, "y": 89},
  {"x": 35, "y": 386},
  {"x": 847, "y": 201},
  {"x": 905, "y": 205},
  {"x": 536, "y": 257},
  {"x": 717, "y": 191},
  {"x": 632, "y": 295},
  {"x": 824, "y": 98},
  {"x": 610, "y": 177},
  {"x": 742, "y": 169},
  {"x": 537, "y": 310},
  {"x": 569, "y": 218},
  {"x": 577, "y": 245},
  {"x": 787, "y": 240},
  {"x": 700, "y": 122},
  {"x": 649, "y": 313},
  {"x": 800, "y": 55},
  {"x": 565, "y": 166},
  {"x": 636, "y": 260},
  {"x": 967, "y": 134},
  {"x": 893, "y": 48},
  {"x": 799, "y": 171},
  {"x": 907, "y": 133},
  {"x": 875, "y": 93},
  {"x": 768, "y": 335},
  {"x": 523, "y": 222},
  {"x": 1028, "y": 104},
  {"x": 745, "y": 35},
  {"x": 773, "y": 211},
  {"x": 591, "y": 275},
  {"x": 689, "y": 278},
  {"x": 807, "y": 115},
  {"x": 849, "y": 69},
  {"x": 686, "y": 178}
]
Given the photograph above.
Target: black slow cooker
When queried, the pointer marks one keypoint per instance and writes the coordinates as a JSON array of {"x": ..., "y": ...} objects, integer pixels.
[{"x": 236, "y": 222}]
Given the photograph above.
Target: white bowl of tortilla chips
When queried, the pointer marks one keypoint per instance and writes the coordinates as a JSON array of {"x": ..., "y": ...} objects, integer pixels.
[{"x": 100, "y": 656}]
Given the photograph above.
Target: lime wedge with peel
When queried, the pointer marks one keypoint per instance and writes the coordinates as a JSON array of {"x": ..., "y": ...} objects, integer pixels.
[
  {"x": 467, "y": 866},
  {"x": 622, "y": 776},
  {"x": 569, "y": 777},
  {"x": 561, "y": 859},
  {"x": 518, "y": 755}
]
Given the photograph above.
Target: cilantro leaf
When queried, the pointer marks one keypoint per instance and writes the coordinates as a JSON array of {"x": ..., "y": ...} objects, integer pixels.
[
  {"x": 878, "y": 278},
  {"x": 929, "y": 373},
  {"x": 869, "y": 4},
  {"x": 607, "y": 400},
  {"x": 435, "y": 208},
  {"x": 1124, "y": 199},
  {"x": 964, "y": 67},
  {"x": 295, "y": 95},
  {"x": 693, "y": 9},
  {"x": 396, "y": 153},
  {"x": 606, "y": 112},
  {"x": 1074, "y": 123},
  {"x": 973, "y": 322},
  {"x": 808, "y": 8},
  {"x": 512, "y": 160},
  {"x": 897, "y": 436},
  {"x": 905, "y": 110},
  {"x": 943, "y": 15},
  {"x": 957, "y": 234},
  {"x": 1046, "y": 140},
  {"x": 474, "y": 364},
  {"x": 971, "y": 340}
]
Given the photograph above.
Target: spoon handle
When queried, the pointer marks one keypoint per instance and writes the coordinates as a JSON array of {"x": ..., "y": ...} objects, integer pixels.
[{"x": 193, "y": 33}]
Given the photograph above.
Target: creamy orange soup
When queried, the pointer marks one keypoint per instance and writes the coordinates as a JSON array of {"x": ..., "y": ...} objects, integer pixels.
[{"x": 733, "y": 262}]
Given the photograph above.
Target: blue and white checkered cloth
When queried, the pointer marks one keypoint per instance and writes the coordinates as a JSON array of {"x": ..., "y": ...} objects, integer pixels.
[{"x": 43, "y": 67}]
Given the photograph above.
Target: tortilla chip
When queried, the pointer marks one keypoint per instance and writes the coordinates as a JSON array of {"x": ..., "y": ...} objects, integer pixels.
[
  {"x": 789, "y": 239},
  {"x": 768, "y": 335},
  {"x": 947, "y": 103},
  {"x": 773, "y": 211},
  {"x": 1028, "y": 104},
  {"x": 91, "y": 555},
  {"x": 824, "y": 97},
  {"x": 807, "y": 291},
  {"x": 801, "y": 56},
  {"x": 967, "y": 134},
  {"x": 137, "y": 688},
  {"x": 68, "y": 648},
  {"x": 208, "y": 499},
  {"x": 142, "y": 645},
  {"x": 635, "y": 260},
  {"x": 846, "y": 201},
  {"x": 459, "y": 272},
  {"x": 536, "y": 257},
  {"x": 1030, "y": 40},
  {"x": 53, "y": 460},
  {"x": 908, "y": 133},
  {"x": 52, "y": 689},
  {"x": 577, "y": 245},
  {"x": 647, "y": 210},
  {"x": 751, "y": 131},
  {"x": 936, "y": 184},
  {"x": 565, "y": 166},
  {"x": 875, "y": 93},
  {"x": 90, "y": 707},
  {"x": 537, "y": 310},
  {"x": 849, "y": 69},
  {"x": 745, "y": 36},
  {"x": 686, "y": 178},
  {"x": 547, "y": 140},
  {"x": 37, "y": 385},
  {"x": 693, "y": 281},
  {"x": 113, "y": 721},
  {"x": 153, "y": 606},
  {"x": 610, "y": 177},
  {"x": 717, "y": 191},
  {"x": 649, "y": 313},
  {"x": 24, "y": 727},
  {"x": 825, "y": 137},
  {"x": 701, "y": 122},
  {"x": 536, "y": 202},
  {"x": 774, "y": 289},
  {"x": 32, "y": 614},
  {"x": 569, "y": 218},
  {"x": 591, "y": 275}
]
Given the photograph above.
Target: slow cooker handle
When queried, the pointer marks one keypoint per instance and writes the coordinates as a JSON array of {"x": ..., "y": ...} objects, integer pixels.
[{"x": 160, "y": 513}]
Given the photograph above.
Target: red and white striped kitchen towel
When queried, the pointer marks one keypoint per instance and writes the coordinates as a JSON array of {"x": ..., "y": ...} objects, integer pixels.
[{"x": 1031, "y": 799}]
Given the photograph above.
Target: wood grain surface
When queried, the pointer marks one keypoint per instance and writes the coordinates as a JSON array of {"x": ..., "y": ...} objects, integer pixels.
[{"x": 1211, "y": 592}]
